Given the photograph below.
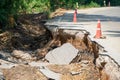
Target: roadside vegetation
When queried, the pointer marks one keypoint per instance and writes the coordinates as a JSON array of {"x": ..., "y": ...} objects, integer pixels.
[{"x": 11, "y": 9}]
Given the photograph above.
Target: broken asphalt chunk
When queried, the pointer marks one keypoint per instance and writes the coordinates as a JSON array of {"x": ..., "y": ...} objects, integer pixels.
[{"x": 62, "y": 55}]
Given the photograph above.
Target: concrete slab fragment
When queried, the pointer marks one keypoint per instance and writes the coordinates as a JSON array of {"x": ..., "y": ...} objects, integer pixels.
[
  {"x": 50, "y": 74},
  {"x": 62, "y": 55}
]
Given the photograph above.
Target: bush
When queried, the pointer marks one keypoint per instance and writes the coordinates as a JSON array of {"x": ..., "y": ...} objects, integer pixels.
[
  {"x": 93, "y": 4},
  {"x": 90, "y": 5},
  {"x": 35, "y": 6}
]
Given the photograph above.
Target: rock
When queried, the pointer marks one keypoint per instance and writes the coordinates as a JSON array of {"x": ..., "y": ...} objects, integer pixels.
[
  {"x": 1, "y": 75},
  {"x": 62, "y": 55},
  {"x": 50, "y": 74},
  {"x": 6, "y": 65},
  {"x": 80, "y": 35},
  {"x": 4, "y": 55},
  {"x": 22, "y": 55},
  {"x": 38, "y": 64}
]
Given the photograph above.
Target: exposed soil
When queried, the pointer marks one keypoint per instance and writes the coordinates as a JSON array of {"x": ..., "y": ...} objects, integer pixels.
[
  {"x": 29, "y": 34},
  {"x": 23, "y": 72}
]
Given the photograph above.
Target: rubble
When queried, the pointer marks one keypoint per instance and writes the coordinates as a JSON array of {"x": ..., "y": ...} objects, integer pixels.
[
  {"x": 76, "y": 71},
  {"x": 22, "y": 55}
]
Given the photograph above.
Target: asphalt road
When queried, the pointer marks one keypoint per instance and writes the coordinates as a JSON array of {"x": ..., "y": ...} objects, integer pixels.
[
  {"x": 110, "y": 25},
  {"x": 90, "y": 15}
]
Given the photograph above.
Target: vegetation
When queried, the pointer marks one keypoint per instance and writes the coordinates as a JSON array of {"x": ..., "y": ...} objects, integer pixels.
[{"x": 9, "y": 9}]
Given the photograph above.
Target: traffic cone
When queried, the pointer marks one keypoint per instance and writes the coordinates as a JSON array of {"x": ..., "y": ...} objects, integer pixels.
[
  {"x": 75, "y": 15},
  {"x": 98, "y": 32}
]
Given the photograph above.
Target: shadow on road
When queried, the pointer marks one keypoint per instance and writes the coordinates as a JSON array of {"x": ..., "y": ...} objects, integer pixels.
[
  {"x": 68, "y": 17},
  {"x": 113, "y": 33}
]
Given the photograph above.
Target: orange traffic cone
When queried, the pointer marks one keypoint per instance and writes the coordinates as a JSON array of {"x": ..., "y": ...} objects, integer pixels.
[
  {"x": 98, "y": 32},
  {"x": 75, "y": 15}
]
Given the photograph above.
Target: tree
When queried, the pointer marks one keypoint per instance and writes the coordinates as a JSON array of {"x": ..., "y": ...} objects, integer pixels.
[{"x": 9, "y": 9}]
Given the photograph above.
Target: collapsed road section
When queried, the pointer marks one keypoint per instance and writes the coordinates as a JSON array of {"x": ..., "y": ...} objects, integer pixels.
[{"x": 68, "y": 54}]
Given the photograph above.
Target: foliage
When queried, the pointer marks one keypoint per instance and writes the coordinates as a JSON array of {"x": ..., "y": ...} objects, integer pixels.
[
  {"x": 9, "y": 9},
  {"x": 93, "y": 4},
  {"x": 33, "y": 6},
  {"x": 90, "y": 5},
  {"x": 115, "y": 2}
]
